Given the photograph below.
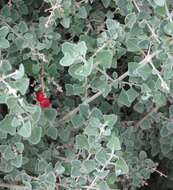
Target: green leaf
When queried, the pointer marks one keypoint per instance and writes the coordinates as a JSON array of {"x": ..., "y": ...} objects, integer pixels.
[
  {"x": 146, "y": 124},
  {"x": 4, "y": 30},
  {"x": 91, "y": 131},
  {"x": 17, "y": 161},
  {"x": 171, "y": 111},
  {"x": 114, "y": 144},
  {"x": 106, "y": 3},
  {"x": 101, "y": 156},
  {"x": 5, "y": 66},
  {"x": 86, "y": 69},
  {"x": 52, "y": 132},
  {"x": 77, "y": 120},
  {"x": 72, "y": 52},
  {"x": 84, "y": 109},
  {"x": 72, "y": 71},
  {"x": 64, "y": 134},
  {"x": 88, "y": 166},
  {"x": 132, "y": 94},
  {"x": 168, "y": 28},
  {"x": 96, "y": 114},
  {"x": 133, "y": 44},
  {"x": 65, "y": 22},
  {"x": 59, "y": 169},
  {"x": 23, "y": 27},
  {"x": 165, "y": 148},
  {"x": 4, "y": 43},
  {"x": 50, "y": 178},
  {"x": 19, "y": 73},
  {"x": 164, "y": 132},
  {"x": 19, "y": 147},
  {"x": 25, "y": 130},
  {"x": 169, "y": 126},
  {"x": 82, "y": 142},
  {"x": 104, "y": 58},
  {"x": 36, "y": 114},
  {"x": 103, "y": 186},
  {"x": 22, "y": 85},
  {"x": 50, "y": 114},
  {"x": 110, "y": 119},
  {"x": 75, "y": 170},
  {"x": 127, "y": 97},
  {"x": 81, "y": 48},
  {"x": 142, "y": 155},
  {"x": 132, "y": 67},
  {"x": 102, "y": 85},
  {"x": 121, "y": 167},
  {"x": 8, "y": 153},
  {"x": 69, "y": 49},
  {"x": 93, "y": 128},
  {"x": 144, "y": 71},
  {"x": 36, "y": 69},
  {"x": 6, "y": 11},
  {"x": 113, "y": 27},
  {"x": 35, "y": 135},
  {"x": 67, "y": 60},
  {"x": 130, "y": 20},
  {"x": 6, "y": 125},
  {"x": 82, "y": 12},
  {"x": 160, "y": 2}
]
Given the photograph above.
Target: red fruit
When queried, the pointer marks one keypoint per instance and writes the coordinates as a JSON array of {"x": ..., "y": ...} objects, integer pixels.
[
  {"x": 40, "y": 96},
  {"x": 45, "y": 103}
]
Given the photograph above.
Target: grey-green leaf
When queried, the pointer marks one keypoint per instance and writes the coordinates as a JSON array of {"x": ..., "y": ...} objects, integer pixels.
[
  {"x": 121, "y": 167},
  {"x": 35, "y": 135},
  {"x": 114, "y": 144},
  {"x": 25, "y": 130}
]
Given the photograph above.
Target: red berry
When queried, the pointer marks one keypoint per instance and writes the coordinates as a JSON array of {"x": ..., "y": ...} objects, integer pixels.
[
  {"x": 40, "y": 96},
  {"x": 45, "y": 103}
]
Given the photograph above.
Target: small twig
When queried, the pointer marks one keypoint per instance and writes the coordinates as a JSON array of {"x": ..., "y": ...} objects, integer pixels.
[
  {"x": 103, "y": 168},
  {"x": 10, "y": 3},
  {"x": 10, "y": 89},
  {"x": 160, "y": 173},
  {"x": 52, "y": 12},
  {"x": 13, "y": 186},
  {"x": 71, "y": 113},
  {"x": 153, "y": 110},
  {"x": 168, "y": 13},
  {"x": 163, "y": 83},
  {"x": 42, "y": 78},
  {"x": 148, "y": 25}
]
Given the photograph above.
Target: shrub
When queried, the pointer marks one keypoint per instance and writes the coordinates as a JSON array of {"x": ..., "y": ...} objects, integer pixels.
[{"x": 85, "y": 94}]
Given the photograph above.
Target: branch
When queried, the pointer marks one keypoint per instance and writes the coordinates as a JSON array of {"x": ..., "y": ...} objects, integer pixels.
[
  {"x": 67, "y": 117},
  {"x": 160, "y": 173},
  {"x": 103, "y": 168},
  {"x": 13, "y": 186},
  {"x": 153, "y": 110},
  {"x": 150, "y": 28}
]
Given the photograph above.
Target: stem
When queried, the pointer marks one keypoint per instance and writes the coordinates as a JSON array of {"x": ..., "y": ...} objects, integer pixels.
[
  {"x": 168, "y": 13},
  {"x": 150, "y": 28},
  {"x": 95, "y": 179},
  {"x": 160, "y": 173},
  {"x": 67, "y": 117},
  {"x": 53, "y": 9},
  {"x": 163, "y": 83},
  {"x": 71, "y": 113},
  {"x": 13, "y": 186},
  {"x": 155, "y": 109},
  {"x": 42, "y": 78}
]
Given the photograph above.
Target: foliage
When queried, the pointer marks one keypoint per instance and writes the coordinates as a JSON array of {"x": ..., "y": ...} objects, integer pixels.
[{"x": 105, "y": 70}]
